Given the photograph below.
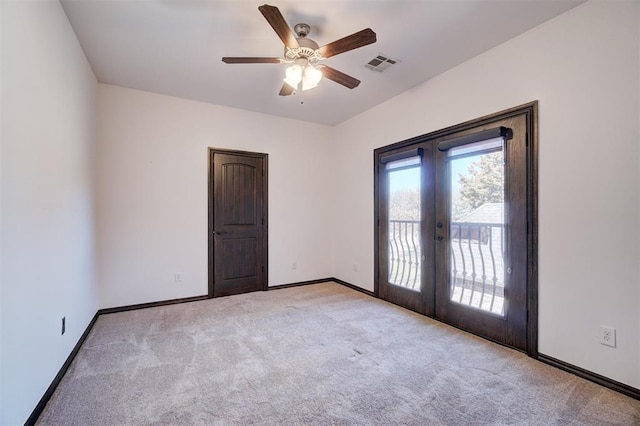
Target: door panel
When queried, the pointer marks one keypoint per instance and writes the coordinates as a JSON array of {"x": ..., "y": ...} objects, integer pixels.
[
  {"x": 404, "y": 277},
  {"x": 238, "y": 234},
  {"x": 239, "y": 193},
  {"x": 481, "y": 255},
  {"x": 244, "y": 248}
]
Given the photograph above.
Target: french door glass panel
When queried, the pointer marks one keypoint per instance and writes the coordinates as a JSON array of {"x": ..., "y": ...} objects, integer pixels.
[
  {"x": 403, "y": 228},
  {"x": 477, "y": 223}
]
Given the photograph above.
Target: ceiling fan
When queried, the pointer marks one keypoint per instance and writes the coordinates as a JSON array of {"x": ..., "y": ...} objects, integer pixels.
[{"x": 305, "y": 55}]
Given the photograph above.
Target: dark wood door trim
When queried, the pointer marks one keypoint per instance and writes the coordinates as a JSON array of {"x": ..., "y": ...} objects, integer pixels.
[
  {"x": 530, "y": 110},
  {"x": 265, "y": 192}
]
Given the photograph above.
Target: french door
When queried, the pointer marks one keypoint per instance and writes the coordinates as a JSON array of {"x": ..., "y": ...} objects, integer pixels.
[
  {"x": 455, "y": 221},
  {"x": 406, "y": 226}
]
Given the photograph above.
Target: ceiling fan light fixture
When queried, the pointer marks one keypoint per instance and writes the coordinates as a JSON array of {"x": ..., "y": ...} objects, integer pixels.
[
  {"x": 306, "y": 74},
  {"x": 307, "y": 85},
  {"x": 293, "y": 76},
  {"x": 312, "y": 75}
]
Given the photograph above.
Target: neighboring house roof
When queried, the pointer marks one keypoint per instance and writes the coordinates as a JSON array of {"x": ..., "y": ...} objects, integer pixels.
[{"x": 486, "y": 213}]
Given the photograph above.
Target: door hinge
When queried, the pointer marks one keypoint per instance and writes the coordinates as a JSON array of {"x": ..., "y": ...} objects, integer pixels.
[
  {"x": 263, "y": 269},
  {"x": 263, "y": 220}
]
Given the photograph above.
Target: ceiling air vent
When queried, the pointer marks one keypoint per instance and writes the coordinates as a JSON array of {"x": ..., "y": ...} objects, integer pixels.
[{"x": 381, "y": 63}]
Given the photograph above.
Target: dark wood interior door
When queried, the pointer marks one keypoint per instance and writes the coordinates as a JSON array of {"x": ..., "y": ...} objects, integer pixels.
[{"x": 237, "y": 223}]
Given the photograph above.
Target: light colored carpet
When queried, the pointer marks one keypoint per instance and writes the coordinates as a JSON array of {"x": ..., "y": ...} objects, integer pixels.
[{"x": 319, "y": 354}]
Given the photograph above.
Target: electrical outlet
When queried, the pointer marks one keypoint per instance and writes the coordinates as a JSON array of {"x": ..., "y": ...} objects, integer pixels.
[
  {"x": 608, "y": 336},
  {"x": 177, "y": 277},
  {"x": 63, "y": 324},
  {"x": 294, "y": 265}
]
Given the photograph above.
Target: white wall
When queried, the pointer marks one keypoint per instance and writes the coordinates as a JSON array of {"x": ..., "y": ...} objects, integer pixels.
[
  {"x": 48, "y": 96},
  {"x": 583, "y": 68},
  {"x": 152, "y": 186}
]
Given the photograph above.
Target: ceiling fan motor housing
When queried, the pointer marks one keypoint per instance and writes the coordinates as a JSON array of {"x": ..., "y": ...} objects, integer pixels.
[{"x": 307, "y": 48}]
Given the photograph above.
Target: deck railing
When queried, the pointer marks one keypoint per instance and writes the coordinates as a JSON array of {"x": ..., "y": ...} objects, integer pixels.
[
  {"x": 405, "y": 253},
  {"x": 476, "y": 262}
]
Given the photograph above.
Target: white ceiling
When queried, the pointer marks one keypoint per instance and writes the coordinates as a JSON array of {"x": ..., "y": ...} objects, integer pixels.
[{"x": 174, "y": 47}]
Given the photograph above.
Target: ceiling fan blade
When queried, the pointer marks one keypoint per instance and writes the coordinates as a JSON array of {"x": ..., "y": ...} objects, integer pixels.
[
  {"x": 286, "y": 90},
  {"x": 339, "y": 77},
  {"x": 274, "y": 17},
  {"x": 245, "y": 60},
  {"x": 353, "y": 41}
]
